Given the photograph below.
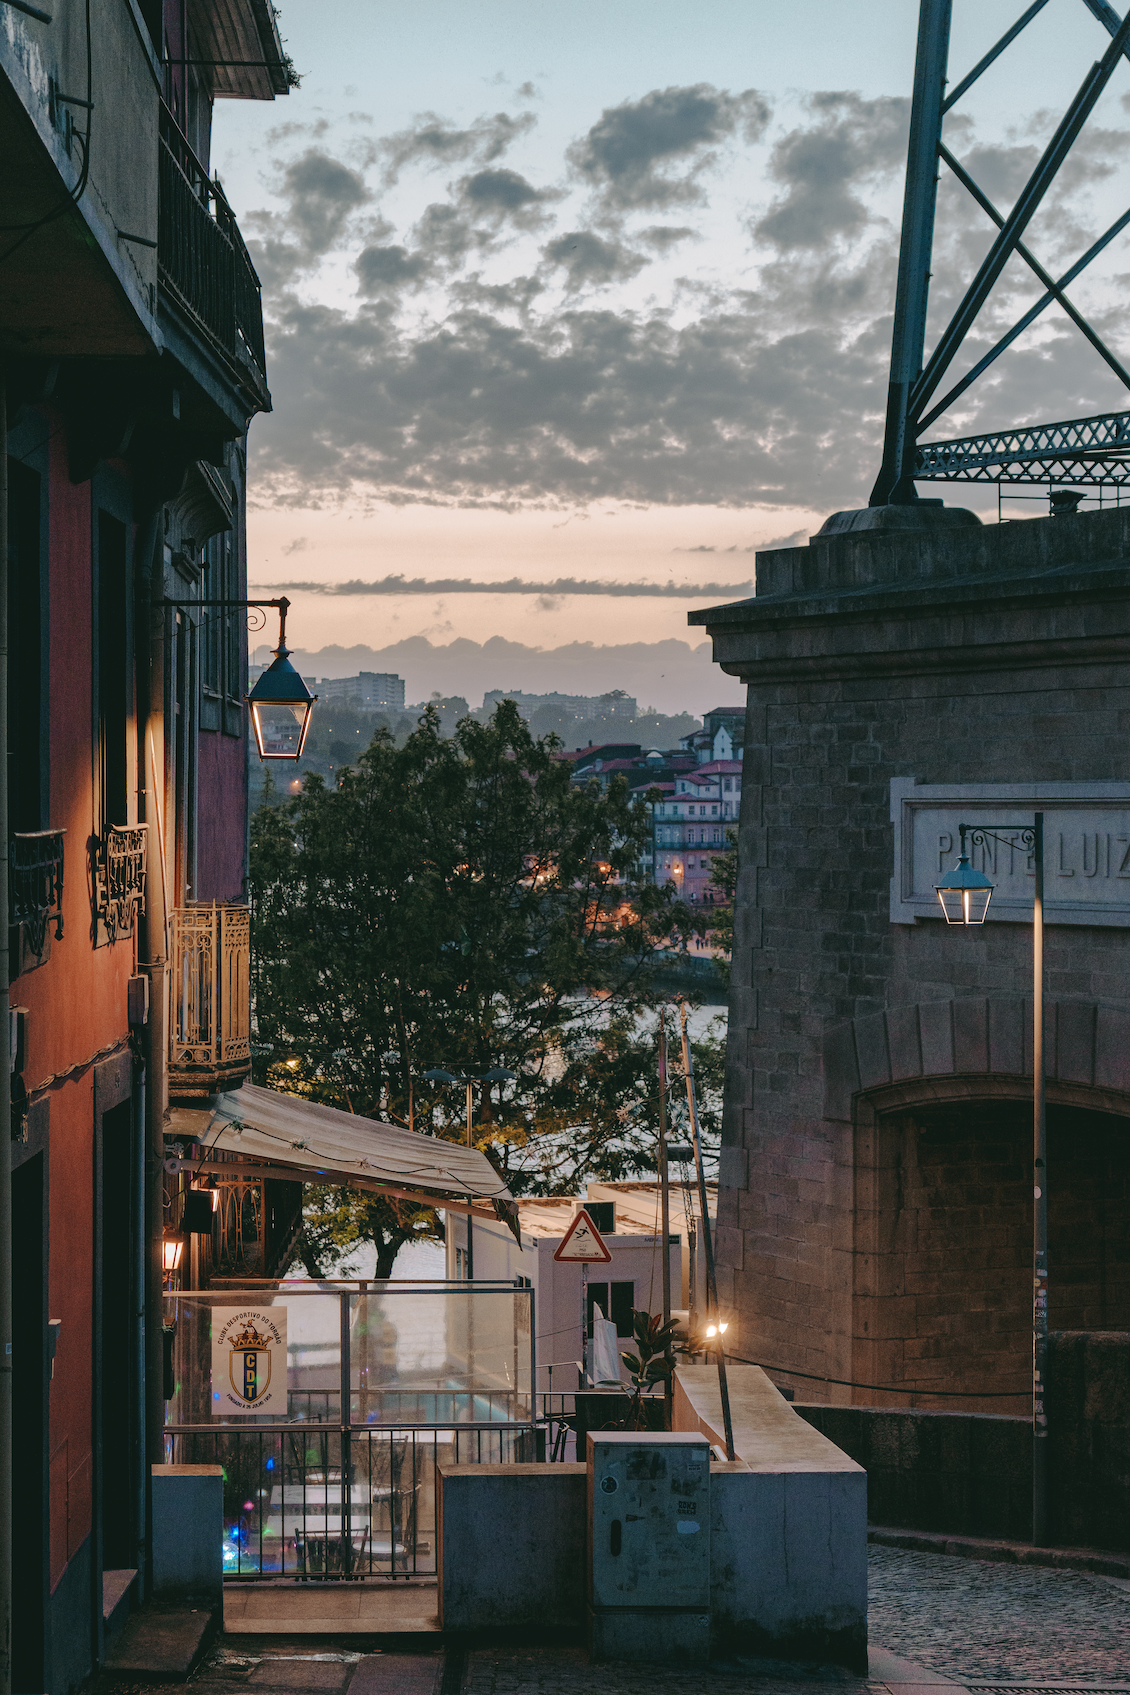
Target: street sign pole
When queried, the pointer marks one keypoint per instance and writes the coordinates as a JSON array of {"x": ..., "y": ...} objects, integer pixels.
[{"x": 584, "y": 1324}]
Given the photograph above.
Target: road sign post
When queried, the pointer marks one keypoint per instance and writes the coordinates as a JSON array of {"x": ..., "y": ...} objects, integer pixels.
[{"x": 583, "y": 1244}]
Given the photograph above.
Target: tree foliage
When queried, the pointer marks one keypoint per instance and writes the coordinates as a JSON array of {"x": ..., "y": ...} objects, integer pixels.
[{"x": 458, "y": 902}]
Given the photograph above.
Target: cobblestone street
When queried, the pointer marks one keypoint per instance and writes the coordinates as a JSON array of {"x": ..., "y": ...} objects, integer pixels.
[{"x": 957, "y": 1621}]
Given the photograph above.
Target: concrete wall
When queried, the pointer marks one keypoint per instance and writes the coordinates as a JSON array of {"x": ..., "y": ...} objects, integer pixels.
[
  {"x": 788, "y": 1532},
  {"x": 512, "y": 1548},
  {"x": 789, "y": 1524},
  {"x": 1089, "y": 1432},
  {"x": 988, "y": 655},
  {"x": 967, "y": 1473},
  {"x": 188, "y": 1531}
]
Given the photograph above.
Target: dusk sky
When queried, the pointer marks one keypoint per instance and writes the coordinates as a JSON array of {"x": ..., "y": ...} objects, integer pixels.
[{"x": 564, "y": 296}]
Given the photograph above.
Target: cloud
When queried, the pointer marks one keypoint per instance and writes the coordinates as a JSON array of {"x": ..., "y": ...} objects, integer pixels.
[
  {"x": 663, "y": 237},
  {"x": 589, "y": 260},
  {"x": 499, "y": 191},
  {"x": 299, "y": 545},
  {"x": 558, "y": 587},
  {"x": 628, "y": 154},
  {"x": 319, "y": 195},
  {"x": 433, "y": 141},
  {"x": 821, "y": 166},
  {"x": 382, "y": 270}
]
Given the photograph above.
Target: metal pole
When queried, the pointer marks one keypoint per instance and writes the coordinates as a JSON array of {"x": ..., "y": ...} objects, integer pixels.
[
  {"x": 894, "y": 483},
  {"x": 665, "y": 1215},
  {"x": 5, "y": 1128},
  {"x": 470, "y": 1220},
  {"x": 1039, "y": 1210},
  {"x": 707, "y": 1240},
  {"x": 584, "y": 1324}
]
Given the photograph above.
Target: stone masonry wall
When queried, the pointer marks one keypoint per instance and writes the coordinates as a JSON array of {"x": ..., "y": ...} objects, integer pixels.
[{"x": 961, "y": 666}]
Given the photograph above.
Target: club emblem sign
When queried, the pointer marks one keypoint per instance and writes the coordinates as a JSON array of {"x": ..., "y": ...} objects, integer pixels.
[{"x": 248, "y": 1361}]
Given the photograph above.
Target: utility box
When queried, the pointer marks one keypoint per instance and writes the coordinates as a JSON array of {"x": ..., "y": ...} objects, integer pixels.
[
  {"x": 188, "y": 1531},
  {"x": 648, "y": 1546}
]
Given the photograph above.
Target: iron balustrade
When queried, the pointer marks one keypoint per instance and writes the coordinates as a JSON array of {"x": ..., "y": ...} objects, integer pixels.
[
  {"x": 35, "y": 884},
  {"x": 119, "y": 864},
  {"x": 202, "y": 258},
  {"x": 210, "y": 1021}
]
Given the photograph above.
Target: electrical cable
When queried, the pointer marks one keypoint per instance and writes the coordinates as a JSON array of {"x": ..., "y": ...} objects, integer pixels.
[
  {"x": 890, "y": 1388},
  {"x": 75, "y": 194}
]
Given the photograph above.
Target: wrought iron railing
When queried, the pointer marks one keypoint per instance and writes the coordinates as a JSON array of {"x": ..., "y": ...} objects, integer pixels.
[
  {"x": 119, "y": 878},
  {"x": 210, "y": 1022},
  {"x": 201, "y": 255},
  {"x": 35, "y": 885}
]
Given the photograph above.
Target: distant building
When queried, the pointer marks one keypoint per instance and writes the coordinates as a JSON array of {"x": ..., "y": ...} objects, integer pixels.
[
  {"x": 585, "y": 709},
  {"x": 370, "y": 691},
  {"x": 689, "y": 827},
  {"x": 721, "y": 737}
]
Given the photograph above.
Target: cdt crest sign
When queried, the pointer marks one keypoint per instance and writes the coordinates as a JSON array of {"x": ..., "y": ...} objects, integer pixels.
[{"x": 248, "y": 1361}]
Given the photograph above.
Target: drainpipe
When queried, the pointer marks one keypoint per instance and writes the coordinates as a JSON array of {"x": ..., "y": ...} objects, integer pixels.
[
  {"x": 154, "y": 962},
  {"x": 5, "y": 1087}
]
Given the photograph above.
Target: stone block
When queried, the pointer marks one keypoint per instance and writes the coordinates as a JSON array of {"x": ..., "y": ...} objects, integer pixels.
[
  {"x": 511, "y": 1547},
  {"x": 935, "y": 1024},
  {"x": 188, "y": 1531}
]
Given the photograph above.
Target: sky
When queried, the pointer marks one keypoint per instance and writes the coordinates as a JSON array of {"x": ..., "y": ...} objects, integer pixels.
[{"x": 572, "y": 309}]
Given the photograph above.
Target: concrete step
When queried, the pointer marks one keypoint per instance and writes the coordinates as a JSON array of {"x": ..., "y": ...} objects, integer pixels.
[
  {"x": 119, "y": 1595},
  {"x": 289, "y": 1609},
  {"x": 162, "y": 1641}
]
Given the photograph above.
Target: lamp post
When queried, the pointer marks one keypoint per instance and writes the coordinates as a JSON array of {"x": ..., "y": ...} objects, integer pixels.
[
  {"x": 965, "y": 899},
  {"x": 495, "y": 1075}
]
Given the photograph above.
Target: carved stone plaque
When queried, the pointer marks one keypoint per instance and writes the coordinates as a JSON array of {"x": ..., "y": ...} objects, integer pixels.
[{"x": 1086, "y": 848}]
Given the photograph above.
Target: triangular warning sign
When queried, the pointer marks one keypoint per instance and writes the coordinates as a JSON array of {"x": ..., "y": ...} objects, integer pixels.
[{"x": 582, "y": 1241}]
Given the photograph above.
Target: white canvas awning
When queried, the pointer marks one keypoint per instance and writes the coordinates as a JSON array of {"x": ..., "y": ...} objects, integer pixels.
[{"x": 283, "y": 1136}]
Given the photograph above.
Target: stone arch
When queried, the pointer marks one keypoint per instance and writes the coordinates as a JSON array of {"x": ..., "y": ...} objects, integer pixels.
[
  {"x": 937, "y": 1096},
  {"x": 974, "y": 1049}
]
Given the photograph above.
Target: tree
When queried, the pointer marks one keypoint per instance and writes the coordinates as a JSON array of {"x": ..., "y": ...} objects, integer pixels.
[
  {"x": 459, "y": 902},
  {"x": 724, "y": 877}
]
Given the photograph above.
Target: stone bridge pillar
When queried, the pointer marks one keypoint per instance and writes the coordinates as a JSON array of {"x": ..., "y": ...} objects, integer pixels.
[{"x": 876, "y": 1180}]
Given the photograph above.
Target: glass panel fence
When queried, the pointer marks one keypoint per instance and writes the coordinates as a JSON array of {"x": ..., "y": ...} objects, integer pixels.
[{"x": 329, "y": 1408}]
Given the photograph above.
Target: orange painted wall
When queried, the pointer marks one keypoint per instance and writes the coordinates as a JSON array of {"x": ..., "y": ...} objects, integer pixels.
[{"x": 76, "y": 1003}]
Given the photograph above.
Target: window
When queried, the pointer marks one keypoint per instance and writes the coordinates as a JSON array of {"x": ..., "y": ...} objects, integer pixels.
[
  {"x": 27, "y": 695},
  {"x": 112, "y": 679},
  {"x": 623, "y": 1300}
]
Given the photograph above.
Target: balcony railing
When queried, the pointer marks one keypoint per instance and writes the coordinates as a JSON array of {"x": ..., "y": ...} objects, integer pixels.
[
  {"x": 119, "y": 878},
  {"x": 201, "y": 257},
  {"x": 35, "y": 886},
  {"x": 210, "y": 1014}
]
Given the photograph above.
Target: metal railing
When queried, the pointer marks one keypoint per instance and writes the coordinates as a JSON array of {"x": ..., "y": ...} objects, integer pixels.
[
  {"x": 35, "y": 884},
  {"x": 201, "y": 255},
  {"x": 210, "y": 1022},
  {"x": 119, "y": 864}
]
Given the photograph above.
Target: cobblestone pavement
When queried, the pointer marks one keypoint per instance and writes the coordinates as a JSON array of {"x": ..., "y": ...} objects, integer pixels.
[
  {"x": 976, "y": 1619},
  {"x": 960, "y": 1618}
]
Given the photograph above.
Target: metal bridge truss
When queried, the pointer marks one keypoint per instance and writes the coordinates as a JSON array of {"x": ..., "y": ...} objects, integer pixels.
[{"x": 1082, "y": 452}]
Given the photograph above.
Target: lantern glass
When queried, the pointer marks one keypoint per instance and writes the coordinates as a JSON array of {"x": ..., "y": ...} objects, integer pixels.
[
  {"x": 281, "y": 705},
  {"x": 964, "y": 899},
  {"x": 172, "y": 1252}
]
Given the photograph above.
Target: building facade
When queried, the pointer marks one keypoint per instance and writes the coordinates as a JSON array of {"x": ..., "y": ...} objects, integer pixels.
[
  {"x": 875, "y": 1211},
  {"x": 370, "y": 691},
  {"x": 131, "y": 364},
  {"x": 691, "y": 823}
]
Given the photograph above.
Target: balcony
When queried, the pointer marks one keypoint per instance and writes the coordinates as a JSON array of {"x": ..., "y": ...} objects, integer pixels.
[
  {"x": 210, "y": 1010},
  {"x": 35, "y": 894},
  {"x": 203, "y": 264},
  {"x": 118, "y": 865}
]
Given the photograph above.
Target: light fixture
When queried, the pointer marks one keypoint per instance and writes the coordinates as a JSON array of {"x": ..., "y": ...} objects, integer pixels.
[
  {"x": 718, "y": 1329},
  {"x": 196, "y": 1219},
  {"x": 172, "y": 1251},
  {"x": 964, "y": 897},
  {"x": 281, "y": 704}
]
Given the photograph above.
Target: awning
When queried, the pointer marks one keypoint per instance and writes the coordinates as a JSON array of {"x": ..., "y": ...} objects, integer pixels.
[{"x": 284, "y": 1136}]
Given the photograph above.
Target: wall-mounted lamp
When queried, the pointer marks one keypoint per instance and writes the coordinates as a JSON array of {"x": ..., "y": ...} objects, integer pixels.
[
  {"x": 172, "y": 1252},
  {"x": 280, "y": 702}
]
